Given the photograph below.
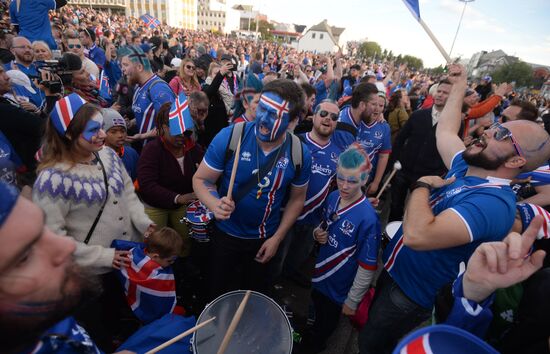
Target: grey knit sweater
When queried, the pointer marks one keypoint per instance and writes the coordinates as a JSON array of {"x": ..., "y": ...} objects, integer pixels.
[{"x": 71, "y": 197}]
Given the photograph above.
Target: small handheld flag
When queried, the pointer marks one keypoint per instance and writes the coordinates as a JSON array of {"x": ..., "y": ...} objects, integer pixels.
[
  {"x": 150, "y": 21},
  {"x": 179, "y": 118},
  {"x": 104, "y": 87}
]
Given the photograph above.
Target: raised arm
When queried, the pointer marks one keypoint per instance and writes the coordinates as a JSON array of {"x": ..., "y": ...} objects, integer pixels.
[{"x": 448, "y": 141}]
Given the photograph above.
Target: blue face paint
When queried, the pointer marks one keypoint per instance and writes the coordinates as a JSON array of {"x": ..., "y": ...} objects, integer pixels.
[
  {"x": 272, "y": 114},
  {"x": 92, "y": 128}
]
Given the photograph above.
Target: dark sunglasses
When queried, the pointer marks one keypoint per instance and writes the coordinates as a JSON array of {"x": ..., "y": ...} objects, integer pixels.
[
  {"x": 333, "y": 116},
  {"x": 71, "y": 46},
  {"x": 190, "y": 67},
  {"x": 501, "y": 133}
]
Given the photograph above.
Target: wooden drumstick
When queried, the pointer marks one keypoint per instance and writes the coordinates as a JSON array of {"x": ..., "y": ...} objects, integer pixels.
[
  {"x": 396, "y": 167},
  {"x": 180, "y": 336},
  {"x": 234, "y": 323},
  {"x": 234, "y": 171}
]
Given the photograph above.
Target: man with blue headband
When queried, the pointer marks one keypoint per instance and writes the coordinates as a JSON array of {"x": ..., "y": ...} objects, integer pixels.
[{"x": 250, "y": 226}]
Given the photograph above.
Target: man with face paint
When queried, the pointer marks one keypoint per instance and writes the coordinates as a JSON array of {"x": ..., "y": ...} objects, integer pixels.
[{"x": 248, "y": 232}]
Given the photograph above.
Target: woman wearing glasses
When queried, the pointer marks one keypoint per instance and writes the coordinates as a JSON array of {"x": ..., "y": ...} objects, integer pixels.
[{"x": 186, "y": 81}]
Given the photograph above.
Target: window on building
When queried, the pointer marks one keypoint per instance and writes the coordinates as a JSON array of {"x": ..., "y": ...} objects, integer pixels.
[
  {"x": 321, "y": 36},
  {"x": 313, "y": 35}
]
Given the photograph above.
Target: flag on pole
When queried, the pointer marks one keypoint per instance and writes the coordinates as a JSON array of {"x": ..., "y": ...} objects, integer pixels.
[
  {"x": 179, "y": 118},
  {"x": 150, "y": 21},
  {"x": 414, "y": 7},
  {"x": 104, "y": 87},
  {"x": 149, "y": 288}
]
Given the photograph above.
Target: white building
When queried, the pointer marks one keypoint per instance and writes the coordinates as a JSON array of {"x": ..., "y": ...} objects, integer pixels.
[
  {"x": 217, "y": 15},
  {"x": 321, "y": 38}
]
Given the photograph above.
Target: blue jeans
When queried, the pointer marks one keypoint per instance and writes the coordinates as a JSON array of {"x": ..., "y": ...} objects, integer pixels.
[{"x": 391, "y": 316}]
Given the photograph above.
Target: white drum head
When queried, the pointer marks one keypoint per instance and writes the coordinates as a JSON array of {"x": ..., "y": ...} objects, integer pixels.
[{"x": 392, "y": 227}]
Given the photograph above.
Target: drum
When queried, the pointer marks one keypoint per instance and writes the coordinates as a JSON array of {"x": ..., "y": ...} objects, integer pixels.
[
  {"x": 264, "y": 327},
  {"x": 199, "y": 221},
  {"x": 391, "y": 229}
]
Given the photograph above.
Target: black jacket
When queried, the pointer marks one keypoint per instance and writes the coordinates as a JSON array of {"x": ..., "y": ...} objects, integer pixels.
[
  {"x": 415, "y": 147},
  {"x": 217, "y": 114}
]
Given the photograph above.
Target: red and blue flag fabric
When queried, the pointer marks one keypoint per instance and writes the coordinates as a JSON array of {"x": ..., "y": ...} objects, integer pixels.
[
  {"x": 149, "y": 288},
  {"x": 539, "y": 177},
  {"x": 104, "y": 87},
  {"x": 179, "y": 118},
  {"x": 150, "y": 21},
  {"x": 414, "y": 7},
  {"x": 64, "y": 112}
]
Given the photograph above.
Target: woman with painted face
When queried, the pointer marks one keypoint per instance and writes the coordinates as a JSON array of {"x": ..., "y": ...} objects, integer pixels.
[{"x": 86, "y": 194}]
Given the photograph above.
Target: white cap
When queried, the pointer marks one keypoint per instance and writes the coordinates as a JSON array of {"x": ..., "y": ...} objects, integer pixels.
[
  {"x": 175, "y": 63},
  {"x": 19, "y": 78}
]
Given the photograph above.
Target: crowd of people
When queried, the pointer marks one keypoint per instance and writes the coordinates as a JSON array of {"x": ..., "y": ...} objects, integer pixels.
[{"x": 285, "y": 160}]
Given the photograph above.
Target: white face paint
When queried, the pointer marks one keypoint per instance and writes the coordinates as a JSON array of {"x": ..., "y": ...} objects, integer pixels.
[{"x": 93, "y": 127}]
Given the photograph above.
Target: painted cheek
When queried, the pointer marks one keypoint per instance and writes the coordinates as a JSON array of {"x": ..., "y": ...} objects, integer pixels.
[{"x": 92, "y": 129}]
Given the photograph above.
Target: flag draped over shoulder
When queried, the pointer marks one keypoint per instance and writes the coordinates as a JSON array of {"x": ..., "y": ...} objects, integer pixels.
[
  {"x": 150, "y": 289},
  {"x": 539, "y": 177},
  {"x": 414, "y": 7},
  {"x": 150, "y": 21}
]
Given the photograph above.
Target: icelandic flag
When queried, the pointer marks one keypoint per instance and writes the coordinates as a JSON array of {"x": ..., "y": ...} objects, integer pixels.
[
  {"x": 150, "y": 21},
  {"x": 539, "y": 177},
  {"x": 414, "y": 7},
  {"x": 179, "y": 118},
  {"x": 104, "y": 87},
  {"x": 150, "y": 289}
]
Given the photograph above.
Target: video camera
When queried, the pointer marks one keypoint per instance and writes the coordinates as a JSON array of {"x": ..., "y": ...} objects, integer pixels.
[{"x": 61, "y": 70}]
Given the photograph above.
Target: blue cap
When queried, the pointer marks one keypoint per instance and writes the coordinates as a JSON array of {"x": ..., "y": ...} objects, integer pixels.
[
  {"x": 443, "y": 339},
  {"x": 146, "y": 47},
  {"x": 8, "y": 198},
  {"x": 487, "y": 78}
]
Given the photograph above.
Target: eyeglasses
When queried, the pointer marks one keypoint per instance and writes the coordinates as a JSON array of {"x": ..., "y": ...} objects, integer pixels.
[
  {"x": 501, "y": 133},
  {"x": 333, "y": 116},
  {"x": 22, "y": 47},
  {"x": 190, "y": 67},
  {"x": 71, "y": 46}
]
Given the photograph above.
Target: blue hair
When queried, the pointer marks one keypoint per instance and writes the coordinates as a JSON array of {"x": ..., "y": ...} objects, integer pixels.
[
  {"x": 355, "y": 157},
  {"x": 136, "y": 55}
]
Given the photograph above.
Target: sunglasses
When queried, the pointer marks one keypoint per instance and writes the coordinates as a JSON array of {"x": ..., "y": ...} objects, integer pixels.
[
  {"x": 190, "y": 67},
  {"x": 71, "y": 46},
  {"x": 333, "y": 116},
  {"x": 501, "y": 133}
]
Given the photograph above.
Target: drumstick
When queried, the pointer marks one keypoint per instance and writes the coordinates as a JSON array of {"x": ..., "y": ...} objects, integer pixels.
[
  {"x": 180, "y": 336},
  {"x": 233, "y": 324},
  {"x": 234, "y": 170},
  {"x": 396, "y": 167}
]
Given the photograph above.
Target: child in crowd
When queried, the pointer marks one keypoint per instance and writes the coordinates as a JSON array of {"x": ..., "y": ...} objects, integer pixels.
[
  {"x": 115, "y": 128},
  {"x": 350, "y": 239},
  {"x": 148, "y": 282}
]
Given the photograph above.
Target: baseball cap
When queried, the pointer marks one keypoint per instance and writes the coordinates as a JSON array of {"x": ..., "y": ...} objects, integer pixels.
[
  {"x": 112, "y": 118},
  {"x": 19, "y": 78},
  {"x": 175, "y": 62}
]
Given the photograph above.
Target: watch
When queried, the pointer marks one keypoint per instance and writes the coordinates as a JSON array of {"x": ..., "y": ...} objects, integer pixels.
[{"x": 420, "y": 184}]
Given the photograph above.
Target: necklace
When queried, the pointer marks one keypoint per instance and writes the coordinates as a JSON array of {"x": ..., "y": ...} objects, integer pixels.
[{"x": 265, "y": 181}]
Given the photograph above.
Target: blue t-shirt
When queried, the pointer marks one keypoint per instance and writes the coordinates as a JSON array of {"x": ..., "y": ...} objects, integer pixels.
[
  {"x": 9, "y": 161},
  {"x": 487, "y": 208},
  {"x": 97, "y": 55},
  {"x": 114, "y": 72},
  {"x": 323, "y": 170},
  {"x": 33, "y": 20},
  {"x": 31, "y": 71},
  {"x": 353, "y": 240},
  {"x": 66, "y": 337},
  {"x": 321, "y": 92},
  {"x": 147, "y": 101},
  {"x": 255, "y": 217},
  {"x": 375, "y": 138},
  {"x": 36, "y": 98},
  {"x": 130, "y": 159}
]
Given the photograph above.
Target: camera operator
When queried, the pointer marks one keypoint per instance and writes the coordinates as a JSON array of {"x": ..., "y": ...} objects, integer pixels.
[{"x": 24, "y": 125}]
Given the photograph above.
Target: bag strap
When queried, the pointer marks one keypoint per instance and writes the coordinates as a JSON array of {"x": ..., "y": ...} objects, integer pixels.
[
  {"x": 236, "y": 135},
  {"x": 264, "y": 170},
  {"x": 296, "y": 153},
  {"x": 347, "y": 128},
  {"x": 91, "y": 231}
]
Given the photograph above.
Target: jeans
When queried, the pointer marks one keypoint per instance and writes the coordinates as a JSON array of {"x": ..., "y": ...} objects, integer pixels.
[{"x": 391, "y": 316}]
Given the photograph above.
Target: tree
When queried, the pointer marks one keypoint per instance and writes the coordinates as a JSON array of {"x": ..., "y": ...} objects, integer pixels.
[
  {"x": 264, "y": 28},
  {"x": 437, "y": 71},
  {"x": 413, "y": 62},
  {"x": 390, "y": 55},
  {"x": 519, "y": 72},
  {"x": 370, "y": 49}
]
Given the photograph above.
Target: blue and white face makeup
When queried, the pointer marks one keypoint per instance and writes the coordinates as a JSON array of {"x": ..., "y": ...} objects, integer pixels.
[
  {"x": 93, "y": 128},
  {"x": 272, "y": 117}
]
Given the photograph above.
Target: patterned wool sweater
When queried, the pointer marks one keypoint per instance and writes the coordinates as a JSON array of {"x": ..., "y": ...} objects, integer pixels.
[{"x": 71, "y": 197}]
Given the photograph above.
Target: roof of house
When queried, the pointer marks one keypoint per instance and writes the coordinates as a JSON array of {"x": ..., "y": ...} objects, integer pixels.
[{"x": 333, "y": 32}]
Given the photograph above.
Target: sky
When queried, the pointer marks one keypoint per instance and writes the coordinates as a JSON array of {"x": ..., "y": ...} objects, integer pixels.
[{"x": 518, "y": 27}]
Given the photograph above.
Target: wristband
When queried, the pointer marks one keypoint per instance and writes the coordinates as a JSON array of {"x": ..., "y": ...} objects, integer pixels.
[{"x": 420, "y": 184}]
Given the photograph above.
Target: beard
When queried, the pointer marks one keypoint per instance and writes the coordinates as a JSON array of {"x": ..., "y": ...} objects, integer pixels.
[
  {"x": 23, "y": 323},
  {"x": 481, "y": 160}
]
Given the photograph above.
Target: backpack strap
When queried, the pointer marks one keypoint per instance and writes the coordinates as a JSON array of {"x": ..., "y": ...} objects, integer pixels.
[
  {"x": 296, "y": 153},
  {"x": 236, "y": 135},
  {"x": 347, "y": 128}
]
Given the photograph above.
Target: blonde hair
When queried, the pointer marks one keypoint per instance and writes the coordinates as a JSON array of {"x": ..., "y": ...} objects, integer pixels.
[
  {"x": 44, "y": 44},
  {"x": 212, "y": 66},
  {"x": 181, "y": 73}
]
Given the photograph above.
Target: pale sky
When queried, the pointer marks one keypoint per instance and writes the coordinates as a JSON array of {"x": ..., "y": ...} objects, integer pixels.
[{"x": 518, "y": 27}]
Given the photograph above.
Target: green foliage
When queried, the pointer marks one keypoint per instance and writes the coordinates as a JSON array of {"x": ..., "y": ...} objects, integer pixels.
[
  {"x": 370, "y": 49},
  {"x": 264, "y": 28},
  {"x": 519, "y": 72},
  {"x": 438, "y": 70},
  {"x": 413, "y": 62}
]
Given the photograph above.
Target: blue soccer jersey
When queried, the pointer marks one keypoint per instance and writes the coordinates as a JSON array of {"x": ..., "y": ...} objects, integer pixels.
[
  {"x": 34, "y": 20},
  {"x": 257, "y": 214},
  {"x": 147, "y": 101},
  {"x": 323, "y": 169},
  {"x": 487, "y": 208},
  {"x": 97, "y": 55},
  {"x": 353, "y": 241}
]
